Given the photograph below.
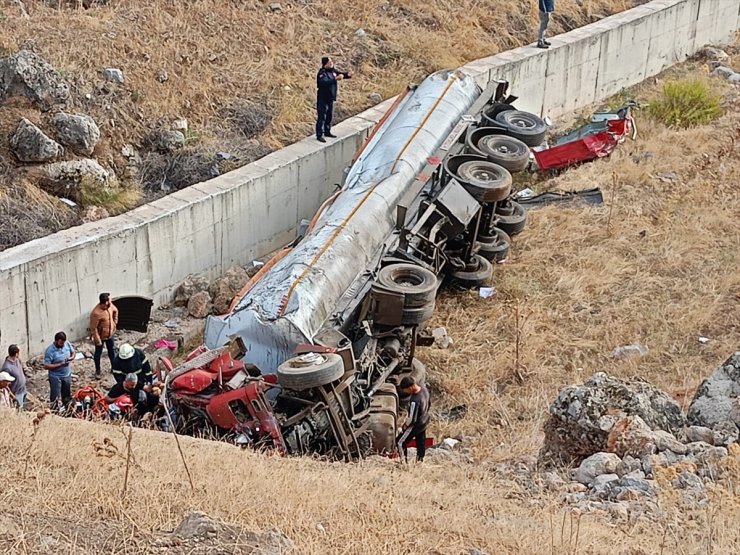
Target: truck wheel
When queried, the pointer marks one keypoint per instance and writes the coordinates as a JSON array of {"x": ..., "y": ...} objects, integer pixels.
[
  {"x": 524, "y": 126},
  {"x": 310, "y": 370},
  {"x": 486, "y": 181},
  {"x": 415, "y": 316},
  {"x": 418, "y": 284},
  {"x": 494, "y": 248},
  {"x": 476, "y": 273},
  {"x": 508, "y": 152},
  {"x": 514, "y": 223}
]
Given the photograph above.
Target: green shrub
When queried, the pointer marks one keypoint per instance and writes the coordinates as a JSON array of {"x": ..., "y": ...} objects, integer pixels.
[{"x": 686, "y": 104}]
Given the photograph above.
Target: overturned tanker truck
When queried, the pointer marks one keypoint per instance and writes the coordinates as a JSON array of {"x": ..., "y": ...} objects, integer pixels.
[{"x": 310, "y": 355}]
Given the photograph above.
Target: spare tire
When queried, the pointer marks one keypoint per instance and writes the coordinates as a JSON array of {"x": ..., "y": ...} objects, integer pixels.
[
  {"x": 484, "y": 180},
  {"x": 477, "y": 272},
  {"x": 514, "y": 223},
  {"x": 526, "y": 127},
  {"x": 507, "y": 152},
  {"x": 418, "y": 284},
  {"x": 310, "y": 370}
]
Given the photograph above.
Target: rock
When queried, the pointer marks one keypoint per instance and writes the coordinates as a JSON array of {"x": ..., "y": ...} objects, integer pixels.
[
  {"x": 224, "y": 288},
  {"x": 734, "y": 78},
  {"x": 696, "y": 447},
  {"x": 575, "y": 487},
  {"x": 165, "y": 140},
  {"x": 30, "y": 144},
  {"x": 723, "y": 71},
  {"x": 162, "y": 75},
  {"x": 574, "y": 428},
  {"x": 180, "y": 124},
  {"x": 128, "y": 151},
  {"x": 197, "y": 525},
  {"x": 448, "y": 443},
  {"x": 600, "y": 481},
  {"x": 625, "y": 351},
  {"x": 93, "y": 214},
  {"x": 725, "y": 433},
  {"x": 476, "y": 551},
  {"x": 273, "y": 542},
  {"x": 716, "y": 399},
  {"x": 375, "y": 98},
  {"x": 190, "y": 286},
  {"x": 687, "y": 480},
  {"x": 711, "y": 456},
  {"x": 360, "y": 33},
  {"x": 552, "y": 481},
  {"x": 114, "y": 75},
  {"x": 700, "y": 433},
  {"x": 78, "y": 132},
  {"x": 67, "y": 178},
  {"x": 596, "y": 465},
  {"x": 276, "y": 7},
  {"x": 199, "y": 305},
  {"x": 715, "y": 54},
  {"x": 631, "y": 436},
  {"x": 629, "y": 465},
  {"x": 667, "y": 442},
  {"x": 28, "y": 74}
]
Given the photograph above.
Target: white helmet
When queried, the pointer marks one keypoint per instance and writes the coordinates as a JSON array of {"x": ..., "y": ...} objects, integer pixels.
[{"x": 125, "y": 352}]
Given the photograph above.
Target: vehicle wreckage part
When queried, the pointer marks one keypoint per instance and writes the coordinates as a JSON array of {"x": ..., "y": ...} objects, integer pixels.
[
  {"x": 416, "y": 316},
  {"x": 484, "y": 180},
  {"x": 418, "y": 371},
  {"x": 477, "y": 272},
  {"x": 526, "y": 127},
  {"x": 417, "y": 284},
  {"x": 515, "y": 222},
  {"x": 292, "y": 302},
  {"x": 310, "y": 370},
  {"x": 508, "y": 152},
  {"x": 383, "y": 423},
  {"x": 494, "y": 248}
]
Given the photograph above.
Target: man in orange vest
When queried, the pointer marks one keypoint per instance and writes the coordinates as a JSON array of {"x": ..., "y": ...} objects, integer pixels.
[{"x": 103, "y": 322}]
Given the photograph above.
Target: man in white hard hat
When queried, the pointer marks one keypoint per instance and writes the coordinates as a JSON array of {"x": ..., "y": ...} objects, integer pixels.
[
  {"x": 7, "y": 399},
  {"x": 131, "y": 360}
]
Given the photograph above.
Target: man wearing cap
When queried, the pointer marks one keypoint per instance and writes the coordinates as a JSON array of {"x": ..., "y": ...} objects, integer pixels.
[
  {"x": 131, "y": 360},
  {"x": 417, "y": 420},
  {"x": 57, "y": 360},
  {"x": 103, "y": 322},
  {"x": 14, "y": 367},
  {"x": 6, "y": 396},
  {"x": 326, "y": 86}
]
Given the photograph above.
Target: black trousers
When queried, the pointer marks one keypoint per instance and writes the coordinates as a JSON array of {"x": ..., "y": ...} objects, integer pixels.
[
  {"x": 324, "y": 113},
  {"x": 419, "y": 433},
  {"x": 110, "y": 345}
]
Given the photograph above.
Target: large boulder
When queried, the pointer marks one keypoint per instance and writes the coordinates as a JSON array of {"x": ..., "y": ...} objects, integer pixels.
[
  {"x": 717, "y": 399},
  {"x": 27, "y": 74},
  {"x": 78, "y": 132},
  {"x": 582, "y": 416},
  {"x": 199, "y": 305},
  {"x": 224, "y": 288},
  {"x": 30, "y": 144},
  {"x": 68, "y": 178},
  {"x": 191, "y": 285},
  {"x": 164, "y": 140}
]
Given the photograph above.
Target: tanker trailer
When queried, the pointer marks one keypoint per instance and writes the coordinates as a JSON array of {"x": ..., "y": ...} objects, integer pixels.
[{"x": 329, "y": 326}]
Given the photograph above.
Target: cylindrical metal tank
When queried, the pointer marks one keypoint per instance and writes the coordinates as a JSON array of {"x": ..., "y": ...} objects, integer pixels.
[{"x": 292, "y": 301}]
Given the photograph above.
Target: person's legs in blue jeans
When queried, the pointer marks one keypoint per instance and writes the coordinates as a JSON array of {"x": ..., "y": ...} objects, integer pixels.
[
  {"x": 66, "y": 387},
  {"x": 109, "y": 344},
  {"x": 55, "y": 388}
]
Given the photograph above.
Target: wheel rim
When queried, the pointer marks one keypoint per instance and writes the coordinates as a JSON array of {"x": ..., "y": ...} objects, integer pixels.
[{"x": 479, "y": 171}]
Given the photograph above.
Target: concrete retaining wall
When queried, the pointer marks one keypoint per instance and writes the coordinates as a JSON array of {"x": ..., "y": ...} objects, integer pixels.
[{"x": 51, "y": 284}]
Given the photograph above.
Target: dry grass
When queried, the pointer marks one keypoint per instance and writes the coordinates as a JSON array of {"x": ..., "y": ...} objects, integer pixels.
[{"x": 72, "y": 493}]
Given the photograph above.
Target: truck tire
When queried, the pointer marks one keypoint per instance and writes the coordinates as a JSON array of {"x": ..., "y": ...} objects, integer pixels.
[
  {"x": 310, "y": 370},
  {"x": 494, "y": 248},
  {"x": 524, "y": 126},
  {"x": 484, "y": 180},
  {"x": 508, "y": 152},
  {"x": 476, "y": 273},
  {"x": 515, "y": 222},
  {"x": 416, "y": 316},
  {"x": 418, "y": 284}
]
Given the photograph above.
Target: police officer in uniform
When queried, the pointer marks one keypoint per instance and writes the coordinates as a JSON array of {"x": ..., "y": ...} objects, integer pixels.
[{"x": 326, "y": 85}]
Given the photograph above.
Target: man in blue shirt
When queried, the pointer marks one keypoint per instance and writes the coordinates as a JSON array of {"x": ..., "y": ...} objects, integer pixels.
[
  {"x": 546, "y": 8},
  {"x": 57, "y": 360}
]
